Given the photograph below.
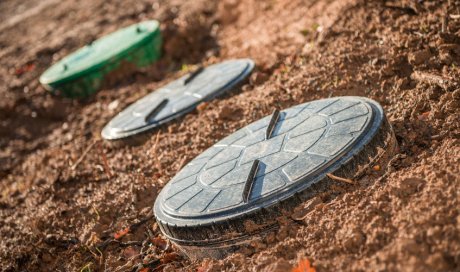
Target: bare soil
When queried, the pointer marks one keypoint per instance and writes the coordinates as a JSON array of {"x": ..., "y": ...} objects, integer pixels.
[{"x": 65, "y": 193}]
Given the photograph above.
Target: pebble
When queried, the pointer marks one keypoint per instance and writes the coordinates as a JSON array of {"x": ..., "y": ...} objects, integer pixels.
[
  {"x": 225, "y": 112},
  {"x": 307, "y": 207},
  {"x": 258, "y": 78},
  {"x": 113, "y": 105},
  {"x": 419, "y": 57},
  {"x": 410, "y": 185},
  {"x": 354, "y": 240}
]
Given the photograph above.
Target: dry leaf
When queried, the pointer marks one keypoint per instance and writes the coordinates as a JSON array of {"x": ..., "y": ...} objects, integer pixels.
[
  {"x": 160, "y": 243},
  {"x": 130, "y": 252},
  {"x": 201, "y": 269},
  {"x": 169, "y": 257},
  {"x": 24, "y": 69},
  {"x": 202, "y": 106},
  {"x": 304, "y": 266},
  {"x": 121, "y": 233},
  {"x": 424, "y": 116}
]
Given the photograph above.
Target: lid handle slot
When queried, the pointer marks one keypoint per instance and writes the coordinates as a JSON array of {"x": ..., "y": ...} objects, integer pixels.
[
  {"x": 156, "y": 109},
  {"x": 272, "y": 124},
  {"x": 250, "y": 181},
  {"x": 193, "y": 75}
]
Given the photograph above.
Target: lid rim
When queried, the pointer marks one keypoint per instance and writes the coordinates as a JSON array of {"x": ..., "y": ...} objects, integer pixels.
[
  {"x": 287, "y": 192},
  {"x": 365, "y": 139},
  {"x": 183, "y": 236}
]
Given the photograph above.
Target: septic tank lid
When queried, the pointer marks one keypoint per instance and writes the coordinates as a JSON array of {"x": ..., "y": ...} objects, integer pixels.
[
  {"x": 101, "y": 52},
  {"x": 177, "y": 98},
  {"x": 266, "y": 166}
]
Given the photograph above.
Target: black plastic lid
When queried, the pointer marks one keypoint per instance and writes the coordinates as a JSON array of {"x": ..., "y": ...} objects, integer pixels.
[
  {"x": 177, "y": 98},
  {"x": 264, "y": 168}
]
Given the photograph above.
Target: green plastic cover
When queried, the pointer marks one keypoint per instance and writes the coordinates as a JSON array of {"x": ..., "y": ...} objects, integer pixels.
[{"x": 83, "y": 72}]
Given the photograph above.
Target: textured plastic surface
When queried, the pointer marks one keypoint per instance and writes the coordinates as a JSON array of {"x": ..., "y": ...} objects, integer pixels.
[
  {"x": 206, "y": 200},
  {"x": 177, "y": 98},
  {"x": 82, "y": 72}
]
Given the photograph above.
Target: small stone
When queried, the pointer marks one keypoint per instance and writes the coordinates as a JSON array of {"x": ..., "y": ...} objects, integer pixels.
[
  {"x": 113, "y": 105},
  {"x": 403, "y": 83},
  {"x": 374, "y": 61},
  {"x": 202, "y": 106},
  {"x": 270, "y": 238},
  {"x": 145, "y": 211},
  {"x": 227, "y": 11},
  {"x": 130, "y": 252},
  {"x": 226, "y": 112},
  {"x": 301, "y": 211},
  {"x": 47, "y": 258},
  {"x": 387, "y": 70},
  {"x": 419, "y": 57},
  {"x": 258, "y": 78},
  {"x": 246, "y": 88},
  {"x": 283, "y": 233},
  {"x": 446, "y": 58},
  {"x": 353, "y": 240},
  {"x": 409, "y": 185},
  {"x": 437, "y": 262}
]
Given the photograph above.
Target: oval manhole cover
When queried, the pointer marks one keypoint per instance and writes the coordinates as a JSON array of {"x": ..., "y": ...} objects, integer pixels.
[
  {"x": 84, "y": 71},
  {"x": 177, "y": 98},
  {"x": 266, "y": 167}
]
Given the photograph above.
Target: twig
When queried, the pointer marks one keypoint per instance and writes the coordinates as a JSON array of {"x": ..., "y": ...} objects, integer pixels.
[
  {"x": 141, "y": 222},
  {"x": 331, "y": 176},
  {"x": 408, "y": 10},
  {"x": 151, "y": 264},
  {"x": 454, "y": 16},
  {"x": 157, "y": 139},
  {"x": 128, "y": 264},
  {"x": 182, "y": 163},
  {"x": 445, "y": 23},
  {"x": 93, "y": 253},
  {"x": 86, "y": 267},
  {"x": 145, "y": 244},
  {"x": 105, "y": 162},
  {"x": 101, "y": 259},
  {"x": 301, "y": 218},
  {"x": 431, "y": 79},
  {"x": 150, "y": 233},
  {"x": 131, "y": 228},
  {"x": 133, "y": 194},
  {"x": 129, "y": 243},
  {"x": 96, "y": 212},
  {"x": 104, "y": 244},
  {"x": 84, "y": 154}
]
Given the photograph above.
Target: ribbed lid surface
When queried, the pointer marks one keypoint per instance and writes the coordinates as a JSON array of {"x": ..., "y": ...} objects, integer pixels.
[
  {"x": 177, "y": 98},
  {"x": 258, "y": 170}
]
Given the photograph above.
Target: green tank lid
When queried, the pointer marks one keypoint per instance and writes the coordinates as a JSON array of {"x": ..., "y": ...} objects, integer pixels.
[{"x": 84, "y": 72}]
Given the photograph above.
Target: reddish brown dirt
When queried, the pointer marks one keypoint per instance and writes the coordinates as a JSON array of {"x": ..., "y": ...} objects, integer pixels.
[{"x": 56, "y": 217}]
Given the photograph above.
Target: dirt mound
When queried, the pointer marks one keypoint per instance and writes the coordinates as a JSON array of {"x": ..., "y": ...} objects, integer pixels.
[{"x": 71, "y": 201}]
